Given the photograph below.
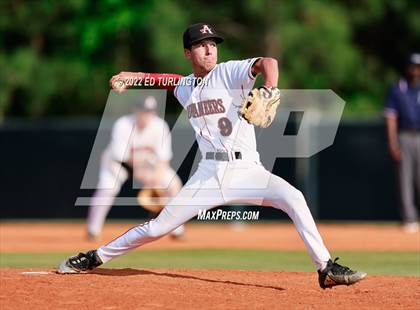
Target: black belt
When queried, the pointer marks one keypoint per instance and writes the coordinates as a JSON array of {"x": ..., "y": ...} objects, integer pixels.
[{"x": 222, "y": 156}]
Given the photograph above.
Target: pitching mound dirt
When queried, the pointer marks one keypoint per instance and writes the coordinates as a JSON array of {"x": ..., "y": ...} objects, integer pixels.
[{"x": 199, "y": 289}]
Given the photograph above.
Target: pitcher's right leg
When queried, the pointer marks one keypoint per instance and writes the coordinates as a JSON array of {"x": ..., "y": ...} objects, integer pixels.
[
  {"x": 200, "y": 192},
  {"x": 171, "y": 217}
]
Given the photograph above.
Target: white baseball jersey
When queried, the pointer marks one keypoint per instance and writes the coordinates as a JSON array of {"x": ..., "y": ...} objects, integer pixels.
[
  {"x": 126, "y": 139},
  {"x": 212, "y": 107}
]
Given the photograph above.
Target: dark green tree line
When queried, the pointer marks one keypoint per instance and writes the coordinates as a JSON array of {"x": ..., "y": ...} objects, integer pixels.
[{"x": 56, "y": 56}]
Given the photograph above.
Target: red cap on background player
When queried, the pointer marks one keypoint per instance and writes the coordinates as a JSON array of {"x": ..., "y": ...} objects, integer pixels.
[{"x": 198, "y": 32}]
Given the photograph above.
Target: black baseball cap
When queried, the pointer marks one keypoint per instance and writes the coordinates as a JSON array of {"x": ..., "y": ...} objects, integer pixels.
[{"x": 198, "y": 32}]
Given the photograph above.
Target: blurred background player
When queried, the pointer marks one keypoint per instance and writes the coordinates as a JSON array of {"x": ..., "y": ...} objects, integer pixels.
[
  {"x": 136, "y": 145},
  {"x": 402, "y": 114}
]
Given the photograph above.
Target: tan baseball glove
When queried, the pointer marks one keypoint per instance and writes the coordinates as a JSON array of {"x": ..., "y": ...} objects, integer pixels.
[
  {"x": 152, "y": 199},
  {"x": 260, "y": 107}
]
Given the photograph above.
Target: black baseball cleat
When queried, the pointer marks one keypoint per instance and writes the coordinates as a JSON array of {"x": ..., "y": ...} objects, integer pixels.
[
  {"x": 335, "y": 274},
  {"x": 80, "y": 263}
]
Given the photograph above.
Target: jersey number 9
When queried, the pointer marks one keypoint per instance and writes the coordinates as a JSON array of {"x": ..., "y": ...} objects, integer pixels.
[{"x": 225, "y": 126}]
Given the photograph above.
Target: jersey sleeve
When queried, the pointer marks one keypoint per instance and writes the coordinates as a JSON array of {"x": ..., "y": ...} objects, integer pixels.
[
  {"x": 391, "y": 102},
  {"x": 176, "y": 89},
  {"x": 180, "y": 87},
  {"x": 120, "y": 139},
  {"x": 241, "y": 74},
  {"x": 182, "y": 91}
]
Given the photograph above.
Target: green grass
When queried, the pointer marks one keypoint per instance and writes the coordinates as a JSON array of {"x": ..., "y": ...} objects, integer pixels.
[{"x": 385, "y": 263}]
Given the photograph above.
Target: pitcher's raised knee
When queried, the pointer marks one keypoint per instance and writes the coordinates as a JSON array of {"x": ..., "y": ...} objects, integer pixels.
[
  {"x": 291, "y": 200},
  {"x": 296, "y": 198}
]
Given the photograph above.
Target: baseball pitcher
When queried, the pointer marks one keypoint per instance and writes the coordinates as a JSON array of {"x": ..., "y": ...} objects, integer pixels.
[{"x": 223, "y": 111}]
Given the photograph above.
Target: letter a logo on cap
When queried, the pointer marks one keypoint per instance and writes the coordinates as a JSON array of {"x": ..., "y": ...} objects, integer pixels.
[{"x": 206, "y": 29}]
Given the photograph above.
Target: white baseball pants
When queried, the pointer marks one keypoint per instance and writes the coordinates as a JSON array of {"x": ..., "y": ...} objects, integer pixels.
[{"x": 216, "y": 183}]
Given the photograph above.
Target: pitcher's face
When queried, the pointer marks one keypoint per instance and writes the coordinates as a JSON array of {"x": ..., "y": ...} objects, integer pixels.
[{"x": 203, "y": 55}]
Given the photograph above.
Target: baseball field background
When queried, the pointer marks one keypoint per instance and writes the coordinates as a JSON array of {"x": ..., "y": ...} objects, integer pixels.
[
  {"x": 216, "y": 266},
  {"x": 56, "y": 58}
]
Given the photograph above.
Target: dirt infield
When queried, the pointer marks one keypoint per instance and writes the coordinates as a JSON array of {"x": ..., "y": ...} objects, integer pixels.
[
  {"x": 200, "y": 289},
  {"x": 61, "y": 237}
]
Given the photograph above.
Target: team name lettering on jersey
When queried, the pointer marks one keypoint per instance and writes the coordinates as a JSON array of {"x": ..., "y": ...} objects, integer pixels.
[{"x": 206, "y": 107}]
